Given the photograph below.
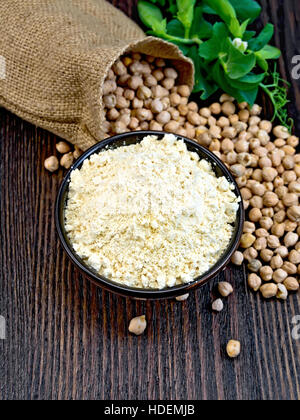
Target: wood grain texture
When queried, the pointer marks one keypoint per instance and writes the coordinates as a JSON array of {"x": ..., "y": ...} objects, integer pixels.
[{"x": 66, "y": 339}]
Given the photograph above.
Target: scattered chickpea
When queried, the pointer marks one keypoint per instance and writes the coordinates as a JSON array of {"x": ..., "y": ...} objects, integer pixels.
[
  {"x": 291, "y": 284},
  {"x": 67, "y": 160},
  {"x": 218, "y": 305},
  {"x": 51, "y": 164},
  {"x": 254, "y": 282},
  {"x": 182, "y": 298},
  {"x": 269, "y": 290},
  {"x": 237, "y": 258},
  {"x": 282, "y": 292},
  {"x": 279, "y": 275},
  {"x": 233, "y": 348},
  {"x": 138, "y": 325},
  {"x": 225, "y": 288},
  {"x": 63, "y": 147}
]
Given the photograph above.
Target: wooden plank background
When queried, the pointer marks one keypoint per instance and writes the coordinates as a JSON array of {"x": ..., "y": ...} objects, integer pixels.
[{"x": 66, "y": 339}]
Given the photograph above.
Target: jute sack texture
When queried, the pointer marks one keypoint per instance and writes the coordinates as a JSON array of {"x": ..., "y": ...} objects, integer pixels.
[{"x": 57, "y": 54}]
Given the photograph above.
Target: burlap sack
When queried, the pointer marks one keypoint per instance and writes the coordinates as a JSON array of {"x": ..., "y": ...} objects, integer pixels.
[{"x": 55, "y": 57}]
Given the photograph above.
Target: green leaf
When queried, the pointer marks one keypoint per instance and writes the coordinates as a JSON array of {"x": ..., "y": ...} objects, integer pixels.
[
  {"x": 201, "y": 81},
  {"x": 237, "y": 64},
  {"x": 210, "y": 49},
  {"x": 208, "y": 10},
  {"x": 200, "y": 27},
  {"x": 262, "y": 63},
  {"x": 249, "y": 96},
  {"x": 219, "y": 77},
  {"x": 186, "y": 12},
  {"x": 256, "y": 44},
  {"x": 269, "y": 53},
  {"x": 223, "y": 8},
  {"x": 244, "y": 27},
  {"x": 246, "y": 83},
  {"x": 248, "y": 35},
  {"x": 235, "y": 28},
  {"x": 175, "y": 28},
  {"x": 152, "y": 17},
  {"x": 246, "y": 9}
]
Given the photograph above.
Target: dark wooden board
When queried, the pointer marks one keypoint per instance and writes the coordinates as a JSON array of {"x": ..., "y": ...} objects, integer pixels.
[{"x": 66, "y": 339}]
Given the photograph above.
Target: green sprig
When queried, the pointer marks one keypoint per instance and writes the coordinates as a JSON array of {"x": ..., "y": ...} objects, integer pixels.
[
  {"x": 225, "y": 53},
  {"x": 277, "y": 92}
]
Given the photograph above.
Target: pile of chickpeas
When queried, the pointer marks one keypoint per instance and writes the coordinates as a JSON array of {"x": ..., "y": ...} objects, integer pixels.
[{"x": 142, "y": 92}]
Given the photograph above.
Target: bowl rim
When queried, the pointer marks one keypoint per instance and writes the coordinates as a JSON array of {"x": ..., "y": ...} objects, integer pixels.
[{"x": 128, "y": 291}]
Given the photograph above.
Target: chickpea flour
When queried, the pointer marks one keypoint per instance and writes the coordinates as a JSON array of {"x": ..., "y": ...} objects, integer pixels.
[{"x": 150, "y": 215}]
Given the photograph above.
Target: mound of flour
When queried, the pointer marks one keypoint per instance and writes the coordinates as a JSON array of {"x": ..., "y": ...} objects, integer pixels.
[{"x": 149, "y": 215}]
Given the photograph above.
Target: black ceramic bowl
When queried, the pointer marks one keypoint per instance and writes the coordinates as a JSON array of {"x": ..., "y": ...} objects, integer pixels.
[{"x": 127, "y": 139}]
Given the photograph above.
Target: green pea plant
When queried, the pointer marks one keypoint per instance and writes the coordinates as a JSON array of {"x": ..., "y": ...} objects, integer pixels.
[{"x": 227, "y": 54}]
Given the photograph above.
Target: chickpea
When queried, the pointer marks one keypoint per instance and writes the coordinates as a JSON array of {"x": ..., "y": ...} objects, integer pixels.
[
  {"x": 163, "y": 117},
  {"x": 143, "y": 114},
  {"x": 276, "y": 262},
  {"x": 184, "y": 90},
  {"x": 108, "y": 87},
  {"x": 281, "y": 132},
  {"x": 254, "y": 282},
  {"x": 282, "y": 292},
  {"x": 233, "y": 348},
  {"x": 225, "y": 97},
  {"x": 257, "y": 202},
  {"x": 138, "y": 325},
  {"x": 279, "y": 275},
  {"x": 266, "y": 273},
  {"x": 250, "y": 254},
  {"x": 289, "y": 267},
  {"x": 237, "y": 169},
  {"x": 273, "y": 241},
  {"x": 267, "y": 212},
  {"x": 266, "y": 255},
  {"x": 155, "y": 126},
  {"x": 290, "y": 200},
  {"x": 67, "y": 160},
  {"x": 293, "y": 213},
  {"x": 266, "y": 126},
  {"x": 137, "y": 103},
  {"x": 254, "y": 266},
  {"x": 291, "y": 284},
  {"x": 290, "y": 239},
  {"x": 241, "y": 145},
  {"x": 63, "y": 147},
  {"x": 194, "y": 118},
  {"x": 51, "y": 164},
  {"x": 237, "y": 258},
  {"x": 150, "y": 81},
  {"x": 171, "y": 126},
  {"x": 290, "y": 226},
  {"x": 270, "y": 199},
  {"x": 215, "y": 108},
  {"x": 247, "y": 240},
  {"x": 294, "y": 257},
  {"x": 134, "y": 123},
  {"x": 269, "y": 290},
  {"x": 225, "y": 288},
  {"x": 269, "y": 174},
  {"x": 255, "y": 215}
]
